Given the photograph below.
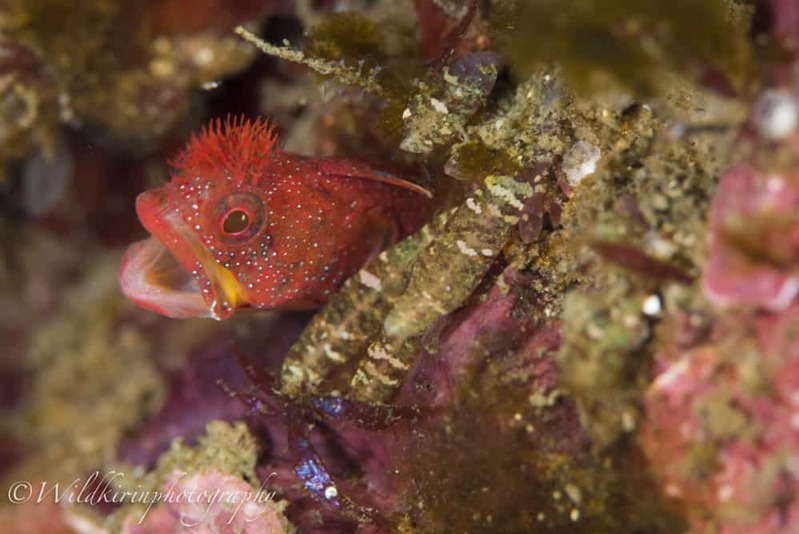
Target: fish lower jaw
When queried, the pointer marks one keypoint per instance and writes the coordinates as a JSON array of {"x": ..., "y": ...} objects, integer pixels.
[{"x": 152, "y": 278}]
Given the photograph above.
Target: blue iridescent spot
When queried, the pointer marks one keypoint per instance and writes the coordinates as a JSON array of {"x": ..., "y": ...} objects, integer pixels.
[{"x": 329, "y": 405}]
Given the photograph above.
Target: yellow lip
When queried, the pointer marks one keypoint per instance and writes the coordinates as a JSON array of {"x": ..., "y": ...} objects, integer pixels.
[{"x": 228, "y": 293}]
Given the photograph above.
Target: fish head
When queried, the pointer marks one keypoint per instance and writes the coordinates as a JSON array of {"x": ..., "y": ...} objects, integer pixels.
[{"x": 208, "y": 225}]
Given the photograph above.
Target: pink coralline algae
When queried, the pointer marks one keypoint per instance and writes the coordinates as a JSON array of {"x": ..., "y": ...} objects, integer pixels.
[
  {"x": 35, "y": 518},
  {"x": 754, "y": 240},
  {"x": 224, "y": 504},
  {"x": 722, "y": 427}
]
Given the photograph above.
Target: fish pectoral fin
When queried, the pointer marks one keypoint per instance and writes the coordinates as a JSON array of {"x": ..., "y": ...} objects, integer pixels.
[{"x": 351, "y": 169}]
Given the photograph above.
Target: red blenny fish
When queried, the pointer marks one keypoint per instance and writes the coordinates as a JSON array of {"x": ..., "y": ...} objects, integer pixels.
[{"x": 243, "y": 224}]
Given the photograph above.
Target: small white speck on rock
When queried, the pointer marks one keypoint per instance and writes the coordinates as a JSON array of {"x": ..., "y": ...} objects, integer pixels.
[
  {"x": 580, "y": 161},
  {"x": 775, "y": 114},
  {"x": 652, "y": 306},
  {"x": 331, "y": 492}
]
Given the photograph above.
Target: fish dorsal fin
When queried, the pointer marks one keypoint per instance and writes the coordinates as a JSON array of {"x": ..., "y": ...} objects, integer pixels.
[{"x": 352, "y": 169}]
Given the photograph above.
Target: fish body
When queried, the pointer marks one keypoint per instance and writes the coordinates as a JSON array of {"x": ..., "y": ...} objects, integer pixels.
[{"x": 242, "y": 224}]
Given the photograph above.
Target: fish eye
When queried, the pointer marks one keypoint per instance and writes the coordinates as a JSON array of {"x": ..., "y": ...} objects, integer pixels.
[
  {"x": 235, "y": 221},
  {"x": 239, "y": 216}
]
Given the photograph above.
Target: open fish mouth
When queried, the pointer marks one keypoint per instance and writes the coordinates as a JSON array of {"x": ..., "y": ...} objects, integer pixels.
[
  {"x": 152, "y": 278},
  {"x": 172, "y": 273}
]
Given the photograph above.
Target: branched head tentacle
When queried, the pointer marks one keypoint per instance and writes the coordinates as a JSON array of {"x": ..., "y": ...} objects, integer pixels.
[{"x": 238, "y": 147}]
